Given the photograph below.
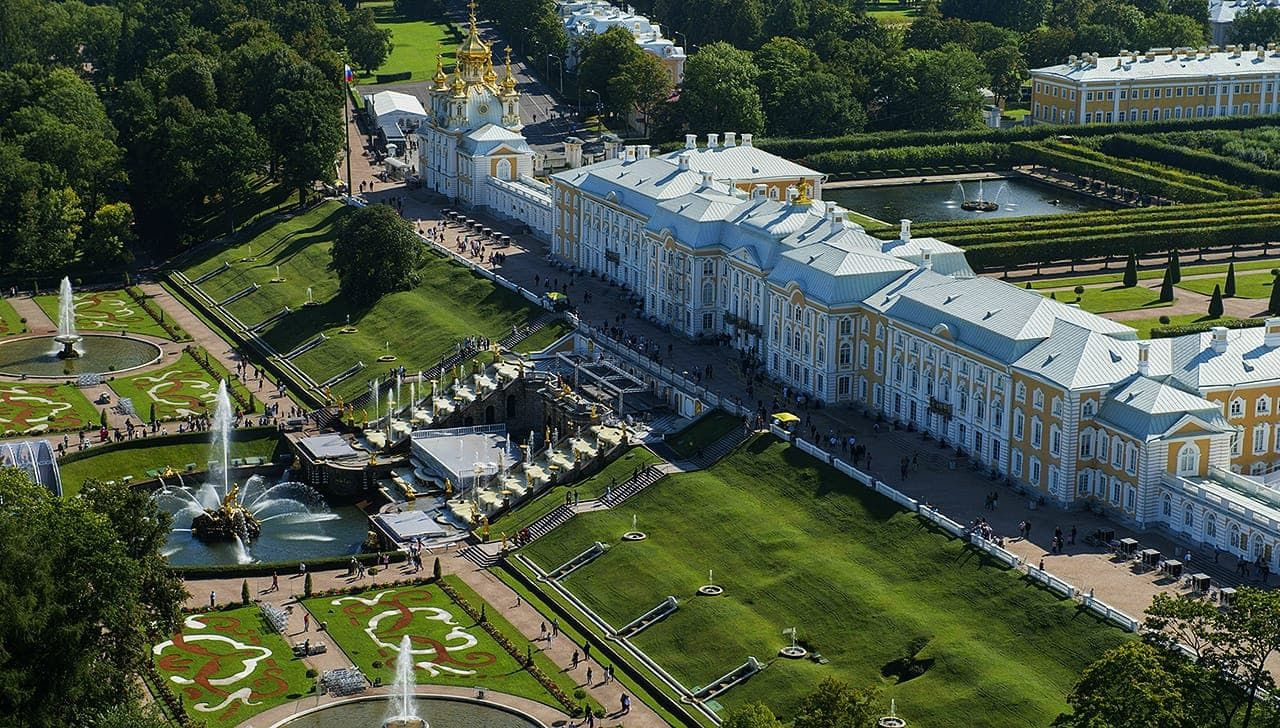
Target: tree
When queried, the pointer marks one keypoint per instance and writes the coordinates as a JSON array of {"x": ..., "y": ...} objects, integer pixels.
[
  {"x": 601, "y": 59},
  {"x": 108, "y": 236},
  {"x": 1229, "y": 290},
  {"x": 1130, "y": 271},
  {"x": 1273, "y": 303},
  {"x": 368, "y": 44},
  {"x": 306, "y": 135},
  {"x": 228, "y": 155},
  {"x": 1007, "y": 70},
  {"x": 787, "y": 18},
  {"x": 835, "y": 703},
  {"x": 1215, "y": 302},
  {"x": 375, "y": 252},
  {"x": 1047, "y": 46},
  {"x": 822, "y": 104},
  {"x": 435, "y": 570},
  {"x": 752, "y": 715},
  {"x": 1166, "y": 286},
  {"x": 1130, "y": 686},
  {"x": 245, "y": 596},
  {"x": 720, "y": 91},
  {"x": 1166, "y": 30},
  {"x": 1017, "y": 14},
  {"x": 932, "y": 89},
  {"x": 643, "y": 84},
  {"x": 81, "y": 610},
  {"x": 1256, "y": 25},
  {"x": 1175, "y": 265}
]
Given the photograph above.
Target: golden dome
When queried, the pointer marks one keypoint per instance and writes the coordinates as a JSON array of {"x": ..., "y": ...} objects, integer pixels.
[
  {"x": 509, "y": 82},
  {"x": 473, "y": 49},
  {"x": 459, "y": 87},
  {"x": 440, "y": 79}
]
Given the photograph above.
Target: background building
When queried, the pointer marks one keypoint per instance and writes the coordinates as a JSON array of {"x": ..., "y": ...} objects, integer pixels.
[
  {"x": 1159, "y": 84},
  {"x": 1222, "y": 13},
  {"x": 587, "y": 17}
]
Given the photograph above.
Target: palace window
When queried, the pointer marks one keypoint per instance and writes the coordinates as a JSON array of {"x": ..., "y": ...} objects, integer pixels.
[
  {"x": 1086, "y": 445},
  {"x": 1020, "y": 393},
  {"x": 846, "y": 355},
  {"x": 1262, "y": 406},
  {"x": 1037, "y": 432},
  {"x": 1017, "y": 424},
  {"x": 1037, "y": 400}
]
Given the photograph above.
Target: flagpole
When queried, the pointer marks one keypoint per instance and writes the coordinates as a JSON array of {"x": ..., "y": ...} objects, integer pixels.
[{"x": 346, "y": 126}]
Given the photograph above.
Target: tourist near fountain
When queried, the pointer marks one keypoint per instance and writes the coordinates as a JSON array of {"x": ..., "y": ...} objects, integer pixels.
[
  {"x": 67, "y": 337},
  {"x": 403, "y": 713}
]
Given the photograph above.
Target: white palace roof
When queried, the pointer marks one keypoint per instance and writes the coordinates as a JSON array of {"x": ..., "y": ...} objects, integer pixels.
[{"x": 1162, "y": 65}]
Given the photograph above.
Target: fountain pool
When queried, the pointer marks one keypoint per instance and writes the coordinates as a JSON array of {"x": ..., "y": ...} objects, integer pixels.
[
  {"x": 936, "y": 200},
  {"x": 441, "y": 712},
  {"x": 37, "y": 356}
]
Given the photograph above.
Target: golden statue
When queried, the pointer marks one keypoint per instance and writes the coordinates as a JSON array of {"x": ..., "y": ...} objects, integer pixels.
[
  {"x": 593, "y": 411},
  {"x": 803, "y": 197},
  {"x": 448, "y": 487},
  {"x": 229, "y": 500},
  {"x": 546, "y": 436}
]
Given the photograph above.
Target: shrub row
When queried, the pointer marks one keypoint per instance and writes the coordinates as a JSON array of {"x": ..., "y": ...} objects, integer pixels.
[
  {"x": 799, "y": 148},
  {"x": 1196, "y": 160},
  {"x": 1146, "y": 179},
  {"x": 1000, "y": 255},
  {"x": 156, "y": 314},
  {"x": 244, "y": 401},
  {"x": 231, "y": 571},
  {"x": 981, "y": 238},
  {"x": 1168, "y": 332},
  {"x": 911, "y": 157},
  {"x": 393, "y": 77}
]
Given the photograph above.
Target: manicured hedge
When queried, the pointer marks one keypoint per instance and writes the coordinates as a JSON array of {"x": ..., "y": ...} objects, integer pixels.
[
  {"x": 393, "y": 77},
  {"x": 1146, "y": 178},
  {"x": 913, "y": 157},
  {"x": 1168, "y": 332},
  {"x": 1197, "y": 160},
  {"x": 799, "y": 148},
  {"x": 234, "y": 571}
]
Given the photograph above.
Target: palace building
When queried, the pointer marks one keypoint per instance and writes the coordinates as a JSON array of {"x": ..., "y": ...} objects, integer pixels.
[
  {"x": 1161, "y": 84},
  {"x": 728, "y": 241},
  {"x": 470, "y": 147}
]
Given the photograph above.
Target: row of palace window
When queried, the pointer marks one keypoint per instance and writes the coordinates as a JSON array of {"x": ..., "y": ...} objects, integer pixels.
[
  {"x": 1261, "y": 406},
  {"x": 1122, "y": 454},
  {"x": 1091, "y": 482},
  {"x": 1238, "y": 540},
  {"x": 1173, "y": 92}
]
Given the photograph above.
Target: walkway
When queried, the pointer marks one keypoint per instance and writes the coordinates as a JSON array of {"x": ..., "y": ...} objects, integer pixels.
[
  {"x": 38, "y": 322},
  {"x": 518, "y": 612},
  {"x": 846, "y": 184}
]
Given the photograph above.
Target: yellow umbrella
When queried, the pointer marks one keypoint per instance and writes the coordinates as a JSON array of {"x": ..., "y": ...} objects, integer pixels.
[{"x": 785, "y": 417}]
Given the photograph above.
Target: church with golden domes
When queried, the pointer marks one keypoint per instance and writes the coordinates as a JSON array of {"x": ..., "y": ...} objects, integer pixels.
[{"x": 470, "y": 148}]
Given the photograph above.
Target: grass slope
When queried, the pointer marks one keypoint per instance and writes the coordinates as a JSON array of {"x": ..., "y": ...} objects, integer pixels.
[
  {"x": 421, "y": 324},
  {"x": 115, "y": 464},
  {"x": 709, "y": 428},
  {"x": 10, "y": 322},
  {"x": 415, "y": 43},
  {"x": 795, "y": 543}
]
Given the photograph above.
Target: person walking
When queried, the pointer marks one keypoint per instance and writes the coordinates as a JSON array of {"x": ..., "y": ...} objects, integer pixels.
[
  {"x": 213, "y": 599},
  {"x": 588, "y": 676},
  {"x": 306, "y": 621}
]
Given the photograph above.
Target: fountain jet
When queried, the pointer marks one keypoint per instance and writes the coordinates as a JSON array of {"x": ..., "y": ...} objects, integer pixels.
[
  {"x": 67, "y": 335},
  {"x": 403, "y": 712}
]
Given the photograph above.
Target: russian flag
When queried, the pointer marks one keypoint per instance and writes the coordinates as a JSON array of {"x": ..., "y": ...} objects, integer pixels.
[{"x": 350, "y": 75}]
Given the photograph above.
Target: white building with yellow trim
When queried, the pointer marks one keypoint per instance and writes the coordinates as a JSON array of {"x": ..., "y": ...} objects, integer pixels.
[
  {"x": 471, "y": 149},
  {"x": 1161, "y": 84},
  {"x": 1068, "y": 404}
]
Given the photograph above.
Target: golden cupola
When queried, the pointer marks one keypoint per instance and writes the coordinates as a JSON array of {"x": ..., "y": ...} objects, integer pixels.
[
  {"x": 474, "y": 55},
  {"x": 509, "y": 82},
  {"x": 490, "y": 76},
  {"x": 441, "y": 80}
]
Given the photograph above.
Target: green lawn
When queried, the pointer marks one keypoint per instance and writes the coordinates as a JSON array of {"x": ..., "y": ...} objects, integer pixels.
[
  {"x": 544, "y": 338},
  {"x": 1252, "y": 285},
  {"x": 180, "y": 389},
  {"x": 896, "y": 16},
  {"x": 229, "y": 666},
  {"x": 709, "y": 428},
  {"x": 449, "y": 647},
  {"x": 32, "y": 406},
  {"x": 1114, "y": 298},
  {"x": 115, "y": 464},
  {"x": 421, "y": 325},
  {"x": 10, "y": 322},
  {"x": 1145, "y": 325},
  {"x": 109, "y": 311},
  {"x": 594, "y": 487},
  {"x": 1150, "y": 274},
  {"x": 415, "y": 43},
  {"x": 795, "y": 543}
]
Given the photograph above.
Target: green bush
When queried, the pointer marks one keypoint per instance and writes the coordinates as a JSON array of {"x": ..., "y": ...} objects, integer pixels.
[
  {"x": 1166, "y": 332},
  {"x": 911, "y": 157},
  {"x": 393, "y": 77},
  {"x": 1145, "y": 178},
  {"x": 244, "y": 592},
  {"x": 306, "y": 586},
  {"x": 1154, "y": 149}
]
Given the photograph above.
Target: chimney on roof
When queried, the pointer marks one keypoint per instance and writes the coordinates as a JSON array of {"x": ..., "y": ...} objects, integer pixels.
[
  {"x": 629, "y": 153},
  {"x": 682, "y": 162},
  {"x": 926, "y": 258},
  {"x": 642, "y": 151},
  {"x": 759, "y": 191},
  {"x": 904, "y": 230},
  {"x": 837, "y": 220},
  {"x": 690, "y": 141},
  {"x": 792, "y": 194},
  {"x": 713, "y": 141},
  {"x": 1272, "y": 337},
  {"x": 1071, "y": 59},
  {"x": 731, "y": 138},
  {"x": 1218, "y": 340},
  {"x": 746, "y": 140},
  {"x": 1144, "y": 350},
  {"x": 706, "y": 178}
]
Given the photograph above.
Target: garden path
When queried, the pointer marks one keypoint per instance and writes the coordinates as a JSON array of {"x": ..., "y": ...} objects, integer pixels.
[{"x": 38, "y": 322}]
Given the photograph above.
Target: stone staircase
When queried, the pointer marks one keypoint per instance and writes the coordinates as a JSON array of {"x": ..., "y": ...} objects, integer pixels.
[
  {"x": 515, "y": 337},
  {"x": 633, "y": 485},
  {"x": 481, "y": 557},
  {"x": 720, "y": 448},
  {"x": 550, "y": 522}
]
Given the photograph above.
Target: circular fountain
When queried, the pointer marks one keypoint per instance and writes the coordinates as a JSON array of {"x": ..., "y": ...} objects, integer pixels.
[{"x": 69, "y": 352}]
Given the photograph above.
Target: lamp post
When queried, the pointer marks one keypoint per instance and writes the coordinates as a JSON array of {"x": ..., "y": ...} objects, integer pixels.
[
  {"x": 599, "y": 102},
  {"x": 560, "y": 62}
]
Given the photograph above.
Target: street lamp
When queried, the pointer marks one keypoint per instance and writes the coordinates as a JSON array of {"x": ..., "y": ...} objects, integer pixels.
[
  {"x": 684, "y": 41},
  {"x": 599, "y": 101},
  {"x": 524, "y": 40},
  {"x": 559, "y": 60}
]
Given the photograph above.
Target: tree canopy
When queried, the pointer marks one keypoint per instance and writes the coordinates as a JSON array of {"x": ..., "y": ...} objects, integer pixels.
[
  {"x": 375, "y": 253},
  {"x": 86, "y": 593}
]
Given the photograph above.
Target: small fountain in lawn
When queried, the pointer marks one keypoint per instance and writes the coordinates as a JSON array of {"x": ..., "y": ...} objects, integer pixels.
[
  {"x": 980, "y": 203},
  {"x": 403, "y": 712},
  {"x": 793, "y": 651},
  {"x": 388, "y": 356},
  {"x": 311, "y": 301},
  {"x": 635, "y": 534},
  {"x": 220, "y": 511},
  {"x": 67, "y": 336},
  {"x": 711, "y": 588}
]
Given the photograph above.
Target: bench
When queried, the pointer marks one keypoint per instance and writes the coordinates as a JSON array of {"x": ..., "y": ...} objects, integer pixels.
[{"x": 189, "y": 467}]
